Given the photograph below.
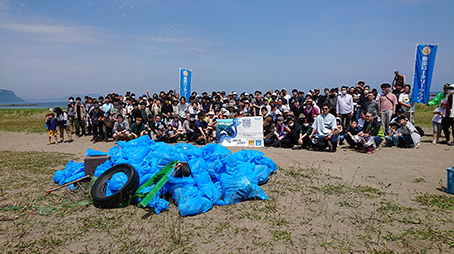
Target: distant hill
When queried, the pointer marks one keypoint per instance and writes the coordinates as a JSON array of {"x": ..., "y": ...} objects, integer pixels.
[
  {"x": 65, "y": 99},
  {"x": 9, "y": 96}
]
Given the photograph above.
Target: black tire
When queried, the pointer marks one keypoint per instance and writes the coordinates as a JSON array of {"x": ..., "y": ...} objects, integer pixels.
[{"x": 98, "y": 192}]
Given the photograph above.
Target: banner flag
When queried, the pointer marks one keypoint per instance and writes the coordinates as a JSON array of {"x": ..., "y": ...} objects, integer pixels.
[
  {"x": 424, "y": 66},
  {"x": 242, "y": 131},
  {"x": 185, "y": 83}
]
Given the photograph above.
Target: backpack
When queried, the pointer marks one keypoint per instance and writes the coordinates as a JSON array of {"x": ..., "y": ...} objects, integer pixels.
[{"x": 420, "y": 131}]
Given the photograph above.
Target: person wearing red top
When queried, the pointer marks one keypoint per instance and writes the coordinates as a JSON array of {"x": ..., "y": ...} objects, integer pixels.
[{"x": 388, "y": 102}]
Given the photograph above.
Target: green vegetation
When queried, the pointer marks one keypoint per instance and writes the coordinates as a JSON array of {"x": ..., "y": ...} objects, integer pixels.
[
  {"x": 424, "y": 115},
  {"x": 442, "y": 201},
  {"x": 23, "y": 120}
]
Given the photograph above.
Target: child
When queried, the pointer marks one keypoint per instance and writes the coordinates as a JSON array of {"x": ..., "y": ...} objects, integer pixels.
[
  {"x": 392, "y": 139},
  {"x": 171, "y": 136},
  {"x": 367, "y": 143},
  {"x": 340, "y": 133},
  {"x": 439, "y": 113},
  {"x": 352, "y": 133},
  {"x": 51, "y": 124}
]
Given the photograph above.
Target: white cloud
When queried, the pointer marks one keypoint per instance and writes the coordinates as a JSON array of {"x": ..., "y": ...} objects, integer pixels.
[{"x": 57, "y": 33}]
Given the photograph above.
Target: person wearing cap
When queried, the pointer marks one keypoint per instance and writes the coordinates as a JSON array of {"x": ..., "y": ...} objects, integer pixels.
[
  {"x": 273, "y": 98},
  {"x": 439, "y": 114},
  {"x": 200, "y": 130},
  {"x": 441, "y": 96},
  {"x": 120, "y": 129},
  {"x": 323, "y": 130},
  {"x": 51, "y": 124},
  {"x": 408, "y": 136},
  {"x": 310, "y": 111},
  {"x": 388, "y": 103}
]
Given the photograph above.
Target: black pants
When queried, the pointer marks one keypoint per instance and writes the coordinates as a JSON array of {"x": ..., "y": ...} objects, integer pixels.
[
  {"x": 97, "y": 132},
  {"x": 80, "y": 124},
  {"x": 446, "y": 123}
]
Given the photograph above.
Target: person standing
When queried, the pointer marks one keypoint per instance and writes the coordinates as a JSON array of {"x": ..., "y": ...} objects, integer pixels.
[
  {"x": 70, "y": 112},
  {"x": 79, "y": 117},
  {"x": 404, "y": 101},
  {"x": 388, "y": 102},
  {"x": 344, "y": 107},
  {"x": 449, "y": 121}
]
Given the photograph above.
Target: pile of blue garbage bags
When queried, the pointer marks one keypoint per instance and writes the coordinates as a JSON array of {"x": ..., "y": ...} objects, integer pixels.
[{"x": 218, "y": 176}]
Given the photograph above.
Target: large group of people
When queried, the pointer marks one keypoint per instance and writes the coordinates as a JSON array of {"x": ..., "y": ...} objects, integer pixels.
[{"x": 358, "y": 115}]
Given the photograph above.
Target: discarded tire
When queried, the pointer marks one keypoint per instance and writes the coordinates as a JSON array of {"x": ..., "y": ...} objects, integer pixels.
[{"x": 98, "y": 192}]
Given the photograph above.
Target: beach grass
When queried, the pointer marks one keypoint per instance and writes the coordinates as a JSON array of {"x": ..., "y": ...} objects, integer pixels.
[
  {"x": 424, "y": 115},
  {"x": 23, "y": 120}
]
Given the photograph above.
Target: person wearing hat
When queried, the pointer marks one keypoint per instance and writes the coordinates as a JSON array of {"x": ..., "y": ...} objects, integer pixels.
[
  {"x": 120, "y": 129},
  {"x": 441, "y": 96},
  {"x": 200, "y": 130},
  {"x": 280, "y": 131},
  {"x": 408, "y": 136},
  {"x": 388, "y": 103},
  {"x": 51, "y": 124}
]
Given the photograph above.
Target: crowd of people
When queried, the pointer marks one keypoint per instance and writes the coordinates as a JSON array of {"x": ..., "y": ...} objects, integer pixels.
[{"x": 356, "y": 115}]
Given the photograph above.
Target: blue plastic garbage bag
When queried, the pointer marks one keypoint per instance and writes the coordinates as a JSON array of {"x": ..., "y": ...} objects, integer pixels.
[
  {"x": 59, "y": 174},
  {"x": 207, "y": 187},
  {"x": 116, "y": 182},
  {"x": 91, "y": 152},
  {"x": 157, "y": 203},
  {"x": 189, "y": 200},
  {"x": 236, "y": 188},
  {"x": 103, "y": 168}
]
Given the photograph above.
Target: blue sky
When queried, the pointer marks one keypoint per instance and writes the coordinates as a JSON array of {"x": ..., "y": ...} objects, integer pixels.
[{"x": 54, "y": 48}]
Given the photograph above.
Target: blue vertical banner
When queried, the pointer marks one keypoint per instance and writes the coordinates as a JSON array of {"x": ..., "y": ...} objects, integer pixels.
[
  {"x": 185, "y": 83},
  {"x": 424, "y": 66}
]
